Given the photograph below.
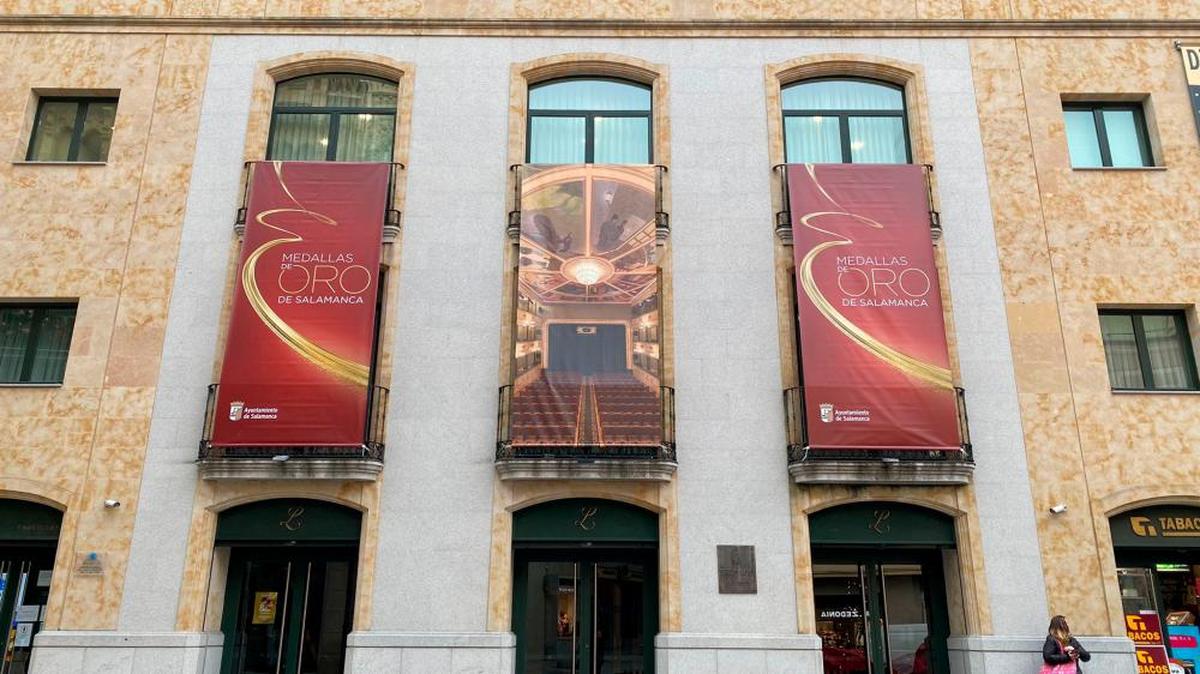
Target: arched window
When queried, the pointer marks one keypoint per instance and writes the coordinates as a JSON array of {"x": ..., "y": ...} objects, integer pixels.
[
  {"x": 333, "y": 117},
  {"x": 589, "y": 121},
  {"x": 835, "y": 121}
]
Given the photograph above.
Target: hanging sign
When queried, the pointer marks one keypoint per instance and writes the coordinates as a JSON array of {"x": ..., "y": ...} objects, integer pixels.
[
  {"x": 1191, "y": 68},
  {"x": 301, "y": 335},
  {"x": 1144, "y": 629},
  {"x": 876, "y": 368},
  {"x": 587, "y": 366}
]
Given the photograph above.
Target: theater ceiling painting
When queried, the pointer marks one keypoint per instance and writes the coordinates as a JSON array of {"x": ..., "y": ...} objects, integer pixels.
[{"x": 587, "y": 234}]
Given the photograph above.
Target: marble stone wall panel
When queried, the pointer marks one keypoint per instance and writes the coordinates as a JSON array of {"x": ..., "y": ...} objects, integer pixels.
[
  {"x": 75, "y": 232},
  {"x": 1073, "y": 241}
]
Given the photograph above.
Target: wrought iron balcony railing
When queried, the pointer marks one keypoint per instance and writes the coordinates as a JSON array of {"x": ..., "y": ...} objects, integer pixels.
[
  {"x": 371, "y": 448},
  {"x": 799, "y": 450},
  {"x": 391, "y": 220}
]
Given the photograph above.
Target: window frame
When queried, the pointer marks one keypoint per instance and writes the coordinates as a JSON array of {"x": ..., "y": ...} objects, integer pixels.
[
  {"x": 36, "y": 323},
  {"x": 1139, "y": 338},
  {"x": 1097, "y": 108},
  {"x": 843, "y": 116},
  {"x": 81, "y": 108},
  {"x": 334, "y": 112},
  {"x": 589, "y": 124}
]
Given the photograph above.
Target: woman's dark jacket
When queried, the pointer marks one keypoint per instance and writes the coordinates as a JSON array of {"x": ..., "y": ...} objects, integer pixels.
[{"x": 1053, "y": 654}]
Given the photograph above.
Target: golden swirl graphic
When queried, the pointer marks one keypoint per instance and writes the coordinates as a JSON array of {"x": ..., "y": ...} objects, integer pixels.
[
  {"x": 339, "y": 366},
  {"x": 910, "y": 365}
]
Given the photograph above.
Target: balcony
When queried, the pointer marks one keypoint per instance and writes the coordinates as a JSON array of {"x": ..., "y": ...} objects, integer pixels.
[
  {"x": 585, "y": 396},
  {"x": 808, "y": 465},
  {"x": 392, "y": 217},
  {"x": 356, "y": 463}
]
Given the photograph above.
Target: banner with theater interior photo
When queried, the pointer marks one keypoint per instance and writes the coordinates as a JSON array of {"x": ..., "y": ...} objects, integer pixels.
[
  {"x": 301, "y": 335},
  {"x": 587, "y": 314},
  {"x": 874, "y": 361}
]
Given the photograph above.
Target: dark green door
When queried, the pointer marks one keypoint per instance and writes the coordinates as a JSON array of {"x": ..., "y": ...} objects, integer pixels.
[
  {"x": 879, "y": 588},
  {"x": 28, "y": 541},
  {"x": 881, "y": 615},
  {"x": 585, "y": 612},
  {"x": 288, "y": 611},
  {"x": 585, "y": 588},
  {"x": 289, "y": 595}
]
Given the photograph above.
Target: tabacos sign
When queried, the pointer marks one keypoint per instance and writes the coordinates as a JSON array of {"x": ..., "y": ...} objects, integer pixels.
[
  {"x": 1144, "y": 629},
  {"x": 1166, "y": 527},
  {"x": 1157, "y": 526}
]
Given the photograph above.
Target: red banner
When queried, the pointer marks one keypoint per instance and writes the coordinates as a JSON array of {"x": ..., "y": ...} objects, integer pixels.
[
  {"x": 876, "y": 368},
  {"x": 298, "y": 354},
  {"x": 587, "y": 324}
]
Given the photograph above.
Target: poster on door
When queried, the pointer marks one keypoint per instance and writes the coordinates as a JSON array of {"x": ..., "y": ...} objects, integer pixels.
[
  {"x": 301, "y": 334},
  {"x": 587, "y": 338},
  {"x": 875, "y": 364},
  {"x": 265, "y": 604}
]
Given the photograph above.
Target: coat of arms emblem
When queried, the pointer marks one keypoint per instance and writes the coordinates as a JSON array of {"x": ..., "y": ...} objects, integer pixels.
[
  {"x": 826, "y": 412},
  {"x": 235, "y": 410}
]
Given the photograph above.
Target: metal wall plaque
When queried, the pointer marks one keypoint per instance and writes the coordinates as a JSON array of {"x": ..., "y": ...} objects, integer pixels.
[{"x": 736, "y": 570}]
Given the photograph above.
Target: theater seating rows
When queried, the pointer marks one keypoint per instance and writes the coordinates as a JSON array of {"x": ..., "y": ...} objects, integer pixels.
[
  {"x": 627, "y": 411},
  {"x": 548, "y": 410}
]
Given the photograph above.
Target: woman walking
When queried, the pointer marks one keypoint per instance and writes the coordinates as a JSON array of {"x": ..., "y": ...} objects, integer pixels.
[{"x": 1062, "y": 653}]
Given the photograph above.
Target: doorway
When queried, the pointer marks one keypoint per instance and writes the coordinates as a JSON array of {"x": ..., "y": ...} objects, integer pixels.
[
  {"x": 28, "y": 542},
  {"x": 879, "y": 588},
  {"x": 585, "y": 588},
  {"x": 1157, "y": 550},
  {"x": 289, "y": 592}
]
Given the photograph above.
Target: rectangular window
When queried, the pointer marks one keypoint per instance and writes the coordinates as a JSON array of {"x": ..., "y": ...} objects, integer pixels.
[
  {"x": 1107, "y": 135},
  {"x": 1148, "y": 350},
  {"x": 34, "y": 340},
  {"x": 72, "y": 129}
]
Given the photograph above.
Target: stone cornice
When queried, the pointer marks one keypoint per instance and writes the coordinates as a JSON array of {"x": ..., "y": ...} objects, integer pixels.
[{"x": 622, "y": 27}]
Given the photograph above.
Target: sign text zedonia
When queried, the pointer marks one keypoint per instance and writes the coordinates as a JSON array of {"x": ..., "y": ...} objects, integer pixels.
[
  {"x": 876, "y": 368},
  {"x": 301, "y": 335}
]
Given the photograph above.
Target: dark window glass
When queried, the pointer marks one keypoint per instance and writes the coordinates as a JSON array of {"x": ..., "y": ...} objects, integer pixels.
[
  {"x": 72, "y": 129},
  {"x": 34, "y": 340},
  {"x": 586, "y": 121},
  {"x": 834, "y": 121},
  {"x": 1148, "y": 350},
  {"x": 1103, "y": 134},
  {"x": 334, "y": 117}
]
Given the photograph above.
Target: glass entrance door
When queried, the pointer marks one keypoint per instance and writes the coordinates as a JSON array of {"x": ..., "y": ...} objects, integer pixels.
[
  {"x": 24, "y": 587},
  {"x": 880, "y": 618},
  {"x": 585, "y": 613},
  {"x": 288, "y": 612}
]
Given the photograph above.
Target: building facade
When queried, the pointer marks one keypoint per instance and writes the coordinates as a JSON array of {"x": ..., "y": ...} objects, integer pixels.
[{"x": 437, "y": 337}]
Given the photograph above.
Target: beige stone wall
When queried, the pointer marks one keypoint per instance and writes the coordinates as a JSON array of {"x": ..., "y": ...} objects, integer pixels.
[
  {"x": 1070, "y": 241},
  {"x": 106, "y": 235},
  {"x": 650, "y": 10}
]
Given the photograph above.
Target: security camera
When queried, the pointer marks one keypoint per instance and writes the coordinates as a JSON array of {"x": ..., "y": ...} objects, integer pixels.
[
  {"x": 1058, "y": 509},
  {"x": 111, "y": 503}
]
